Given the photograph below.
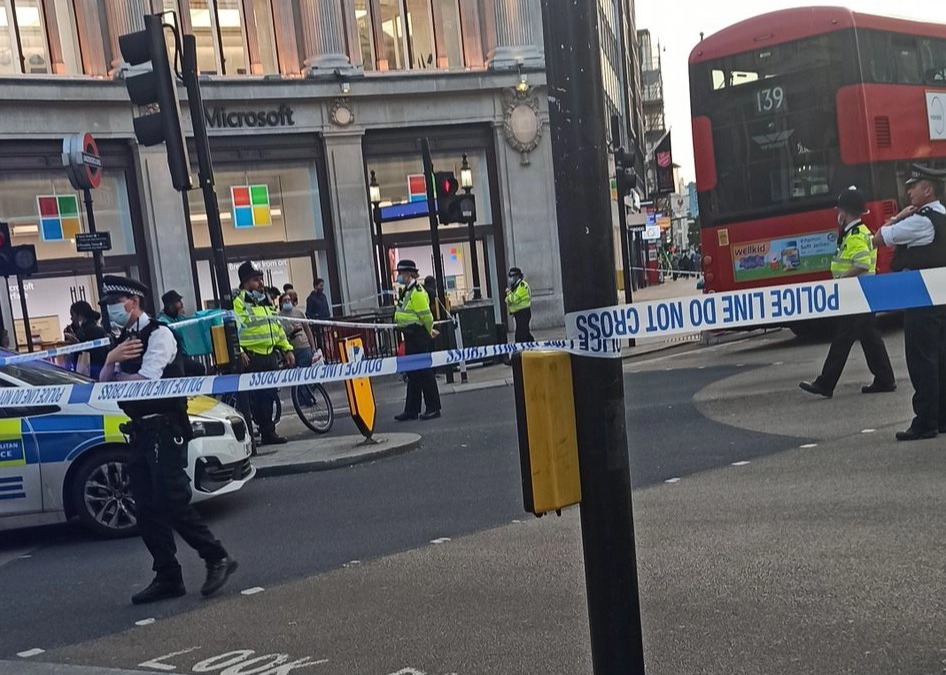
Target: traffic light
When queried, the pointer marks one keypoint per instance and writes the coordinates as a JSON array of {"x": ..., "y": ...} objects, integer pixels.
[
  {"x": 624, "y": 172},
  {"x": 452, "y": 207},
  {"x": 156, "y": 88},
  {"x": 15, "y": 261}
]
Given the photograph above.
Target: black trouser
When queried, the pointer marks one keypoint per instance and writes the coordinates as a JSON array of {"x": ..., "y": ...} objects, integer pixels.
[
  {"x": 162, "y": 493},
  {"x": 848, "y": 330},
  {"x": 420, "y": 383},
  {"x": 523, "y": 317},
  {"x": 262, "y": 401},
  {"x": 924, "y": 337}
]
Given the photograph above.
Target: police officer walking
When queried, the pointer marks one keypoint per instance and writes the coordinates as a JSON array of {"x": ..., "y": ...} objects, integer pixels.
[
  {"x": 519, "y": 304},
  {"x": 159, "y": 432},
  {"x": 262, "y": 340},
  {"x": 919, "y": 233},
  {"x": 415, "y": 320},
  {"x": 856, "y": 256}
]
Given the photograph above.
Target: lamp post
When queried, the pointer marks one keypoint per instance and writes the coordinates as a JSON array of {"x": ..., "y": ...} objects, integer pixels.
[
  {"x": 374, "y": 195},
  {"x": 466, "y": 182}
]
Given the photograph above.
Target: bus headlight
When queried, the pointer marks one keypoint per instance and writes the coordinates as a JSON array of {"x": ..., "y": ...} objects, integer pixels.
[{"x": 707, "y": 261}]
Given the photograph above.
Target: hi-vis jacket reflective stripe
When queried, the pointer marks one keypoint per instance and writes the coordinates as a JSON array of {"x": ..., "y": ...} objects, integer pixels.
[
  {"x": 414, "y": 309},
  {"x": 856, "y": 249},
  {"x": 259, "y": 333},
  {"x": 519, "y": 298}
]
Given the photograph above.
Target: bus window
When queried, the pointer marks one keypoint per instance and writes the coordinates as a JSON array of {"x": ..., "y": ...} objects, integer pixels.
[
  {"x": 933, "y": 58},
  {"x": 906, "y": 60},
  {"x": 877, "y": 50}
]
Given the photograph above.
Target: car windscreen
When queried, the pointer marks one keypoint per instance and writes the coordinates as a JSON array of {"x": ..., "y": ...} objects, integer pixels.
[{"x": 41, "y": 373}]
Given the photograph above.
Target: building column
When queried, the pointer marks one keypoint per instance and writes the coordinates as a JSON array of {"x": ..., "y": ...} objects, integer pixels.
[
  {"x": 351, "y": 220},
  {"x": 516, "y": 43},
  {"x": 123, "y": 17},
  {"x": 323, "y": 33}
]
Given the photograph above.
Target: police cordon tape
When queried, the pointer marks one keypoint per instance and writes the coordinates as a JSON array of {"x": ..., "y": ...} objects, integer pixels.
[
  {"x": 212, "y": 385},
  {"x": 758, "y": 307}
]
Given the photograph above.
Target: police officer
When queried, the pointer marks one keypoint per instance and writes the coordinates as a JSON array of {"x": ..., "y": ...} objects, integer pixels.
[
  {"x": 415, "y": 320},
  {"x": 159, "y": 432},
  {"x": 919, "y": 233},
  {"x": 856, "y": 256},
  {"x": 262, "y": 340},
  {"x": 519, "y": 304}
]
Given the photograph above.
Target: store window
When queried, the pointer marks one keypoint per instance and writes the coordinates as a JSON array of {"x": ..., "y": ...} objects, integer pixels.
[
  {"x": 219, "y": 29},
  {"x": 410, "y": 34},
  {"x": 263, "y": 15},
  {"x": 24, "y": 47}
]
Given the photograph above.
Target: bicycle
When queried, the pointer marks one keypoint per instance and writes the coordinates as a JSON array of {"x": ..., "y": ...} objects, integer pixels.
[{"x": 311, "y": 402}]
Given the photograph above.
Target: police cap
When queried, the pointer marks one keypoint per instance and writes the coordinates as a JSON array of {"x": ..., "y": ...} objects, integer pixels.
[
  {"x": 115, "y": 287},
  {"x": 405, "y": 265},
  {"x": 515, "y": 272},
  {"x": 919, "y": 172},
  {"x": 248, "y": 271},
  {"x": 852, "y": 201}
]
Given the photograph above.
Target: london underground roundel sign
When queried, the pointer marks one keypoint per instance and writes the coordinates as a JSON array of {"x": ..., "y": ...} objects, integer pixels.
[{"x": 80, "y": 156}]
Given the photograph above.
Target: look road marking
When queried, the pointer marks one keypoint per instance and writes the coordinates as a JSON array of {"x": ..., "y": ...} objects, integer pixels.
[{"x": 30, "y": 653}]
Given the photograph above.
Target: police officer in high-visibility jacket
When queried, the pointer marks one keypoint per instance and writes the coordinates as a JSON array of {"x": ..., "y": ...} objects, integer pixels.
[
  {"x": 415, "y": 320},
  {"x": 519, "y": 304},
  {"x": 262, "y": 340},
  {"x": 159, "y": 431},
  {"x": 856, "y": 256}
]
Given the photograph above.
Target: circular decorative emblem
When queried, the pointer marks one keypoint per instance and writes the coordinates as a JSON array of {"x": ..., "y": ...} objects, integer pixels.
[
  {"x": 342, "y": 114},
  {"x": 522, "y": 125}
]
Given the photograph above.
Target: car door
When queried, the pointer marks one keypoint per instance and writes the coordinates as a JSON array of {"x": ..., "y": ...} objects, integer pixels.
[{"x": 21, "y": 478}]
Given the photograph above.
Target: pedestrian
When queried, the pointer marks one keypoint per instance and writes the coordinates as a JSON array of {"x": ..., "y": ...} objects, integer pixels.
[
  {"x": 262, "y": 341},
  {"x": 856, "y": 256},
  {"x": 159, "y": 432},
  {"x": 172, "y": 308},
  {"x": 299, "y": 333},
  {"x": 85, "y": 327},
  {"x": 519, "y": 304},
  {"x": 172, "y": 312},
  {"x": 287, "y": 287},
  {"x": 919, "y": 233},
  {"x": 316, "y": 305},
  {"x": 415, "y": 320}
]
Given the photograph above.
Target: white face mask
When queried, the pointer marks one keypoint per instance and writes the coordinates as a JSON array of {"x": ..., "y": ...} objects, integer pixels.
[{"x": 117, "y": 314}]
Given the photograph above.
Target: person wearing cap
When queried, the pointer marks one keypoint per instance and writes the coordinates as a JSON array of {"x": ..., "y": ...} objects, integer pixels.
[
  {"x": 415, "y": 320},
  {"x": 173, "y": 308},
  {"x": 856, "y": 256},
  {"x": 159, "y": 432},
  {"x": 919, "y": 234},
  {"x": 262, "y": 341},
  {"x": 519, "y": 304}
]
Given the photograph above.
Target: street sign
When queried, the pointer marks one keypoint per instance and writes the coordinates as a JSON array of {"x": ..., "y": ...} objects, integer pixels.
[
  {"x": 360, "y": 394},
  {"x": 89, "y": 242},
  {"x": 651, "y": 233},
  {"x": 80, "y": 157}
]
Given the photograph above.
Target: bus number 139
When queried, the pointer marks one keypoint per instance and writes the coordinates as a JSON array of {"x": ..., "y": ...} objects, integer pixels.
[{"x": 770, "y": 100}]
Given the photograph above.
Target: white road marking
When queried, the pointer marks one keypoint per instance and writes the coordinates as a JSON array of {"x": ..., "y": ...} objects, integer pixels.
[
  {"x": 779, "y": 363},
  {"x": 24, "y": 557},
  {"x": 672, "y": 480},
  {"x": 740, "y": 463},
  {"x": 352, "y": 563},
  {"x": 30, "y": 653},
  {"x": 145, "y": 622},
  {"x": 868, "y": 431},
  {"x": 155, "y": 663},
  {"x": 517, "y": 521},
  {"x": 808, "y": 446},
  {"x": 701, "y": 368},
  {"x": 253, "y": 591},
  {"x": 442, "y": 540}
]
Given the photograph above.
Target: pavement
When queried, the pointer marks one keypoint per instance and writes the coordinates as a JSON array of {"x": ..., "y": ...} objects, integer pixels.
[{"x": 332, "y": 452}]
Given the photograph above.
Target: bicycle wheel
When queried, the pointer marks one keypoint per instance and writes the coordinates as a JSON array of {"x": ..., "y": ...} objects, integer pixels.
[{"x": 314, "y": 407}]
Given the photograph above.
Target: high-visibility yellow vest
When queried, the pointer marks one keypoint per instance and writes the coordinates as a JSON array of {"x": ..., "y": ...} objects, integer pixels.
[
  {"x": 414, "y": 309},
  {"x": 856, "y": 249},
  {"x": 260, "y": 331},
  {"x": 519, "y": 298}
]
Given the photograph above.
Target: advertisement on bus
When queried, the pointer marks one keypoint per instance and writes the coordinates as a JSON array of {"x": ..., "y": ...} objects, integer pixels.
[{"x": 777, "y": 258}]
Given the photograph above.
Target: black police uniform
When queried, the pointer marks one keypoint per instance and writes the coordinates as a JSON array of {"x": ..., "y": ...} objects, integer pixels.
[
  {"x": 159, "y": 432},
  {"x": 924, "y": 335}
]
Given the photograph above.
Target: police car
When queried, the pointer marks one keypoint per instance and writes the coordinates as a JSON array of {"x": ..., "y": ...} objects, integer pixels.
[{"x": 67, "y": 462}]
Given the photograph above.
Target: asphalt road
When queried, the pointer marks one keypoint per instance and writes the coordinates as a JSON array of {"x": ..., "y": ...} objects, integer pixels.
[{"x": 465, "y": 478}]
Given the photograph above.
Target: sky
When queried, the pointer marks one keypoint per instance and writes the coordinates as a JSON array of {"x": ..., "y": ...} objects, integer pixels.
[{"x": 678, "y": 31}]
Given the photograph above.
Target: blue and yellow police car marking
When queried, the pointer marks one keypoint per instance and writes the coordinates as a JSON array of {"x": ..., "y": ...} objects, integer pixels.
[{"x": 12, "y": 452}]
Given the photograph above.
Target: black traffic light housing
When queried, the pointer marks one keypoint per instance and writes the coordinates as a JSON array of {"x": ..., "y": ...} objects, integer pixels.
[
  {"x": 451, "y": 206},
  {"x": 156, "y": 87},
  {"x": 624, "y": 172},
  {"x": 15, "y": 261}
]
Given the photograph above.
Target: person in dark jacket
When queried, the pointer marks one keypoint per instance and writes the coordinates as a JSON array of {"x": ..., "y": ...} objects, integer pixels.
[
  {"x": 316, "y": 305},
  {"x": 85, "y": 327}
]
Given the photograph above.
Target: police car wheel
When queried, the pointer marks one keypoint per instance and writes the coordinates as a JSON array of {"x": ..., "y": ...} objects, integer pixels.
[{"x": 100, "y": 495}]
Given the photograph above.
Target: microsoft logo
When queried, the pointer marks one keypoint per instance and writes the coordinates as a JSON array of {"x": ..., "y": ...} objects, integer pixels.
[
  {"x": 251, "y": 206},
  {"x": 58, "y": 217}
]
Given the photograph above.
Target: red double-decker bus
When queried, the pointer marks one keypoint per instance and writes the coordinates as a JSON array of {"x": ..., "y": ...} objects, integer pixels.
[{"x": 790, "y": 108}]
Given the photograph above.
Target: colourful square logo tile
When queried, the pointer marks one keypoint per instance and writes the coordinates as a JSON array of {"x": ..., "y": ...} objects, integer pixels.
[
  {"x": 251, "y": 206},
  {"x": 417, "y": 187},
  {"x": 59, "y": 217}
]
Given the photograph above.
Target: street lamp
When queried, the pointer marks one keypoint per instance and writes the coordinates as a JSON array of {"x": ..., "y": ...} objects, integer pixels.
[
  {"x": 466, "y": 182},
  {"x": 374, "y": 196}
]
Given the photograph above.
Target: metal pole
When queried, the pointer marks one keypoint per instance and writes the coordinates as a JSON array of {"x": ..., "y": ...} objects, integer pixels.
[
  {"x": 96, "y": 258},
  {"x": 474, "y": 257},
  {"x": 622, "y": 215},
  {"x": 434, "y": 231},
  {"x": 580, "y": 160},
  {"x": 26, "y": 314},
  {"x": 383, "y": 262}
]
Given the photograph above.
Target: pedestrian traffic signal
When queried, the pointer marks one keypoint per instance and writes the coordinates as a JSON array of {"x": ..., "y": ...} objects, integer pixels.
[
  {"x": 453, "y": 207},
  {"x": 15, "y": 261},
  {"x": 624, "y": 173},
  {"x": 156, "y": 87}
]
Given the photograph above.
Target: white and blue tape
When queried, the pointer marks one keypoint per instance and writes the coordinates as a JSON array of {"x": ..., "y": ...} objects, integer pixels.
[{"x": 759, "y": 306}]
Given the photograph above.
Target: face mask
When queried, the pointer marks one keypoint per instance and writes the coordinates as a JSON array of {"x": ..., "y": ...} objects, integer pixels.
[
  {"x": 117, "y": 315},
  {"x": 400, "y": 279},
  {"x": 287, "y": 306},
  {"x": 257, "y": 296},
  {"x": 513, "y": 280}
]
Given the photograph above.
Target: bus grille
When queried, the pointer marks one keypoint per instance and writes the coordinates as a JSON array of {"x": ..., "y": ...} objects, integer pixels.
[{"x": 882, "y": 131}]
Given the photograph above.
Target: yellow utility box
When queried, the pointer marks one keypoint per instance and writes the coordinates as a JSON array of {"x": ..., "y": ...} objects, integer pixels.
[
  {"x": 548, "y": 437},
  {"x": 218, "y": 338}
]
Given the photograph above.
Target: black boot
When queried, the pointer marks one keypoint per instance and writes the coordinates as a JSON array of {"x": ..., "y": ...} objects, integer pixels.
[
  {"x": 159, "y": 589},
  {"x": 217, "y": 575}
]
